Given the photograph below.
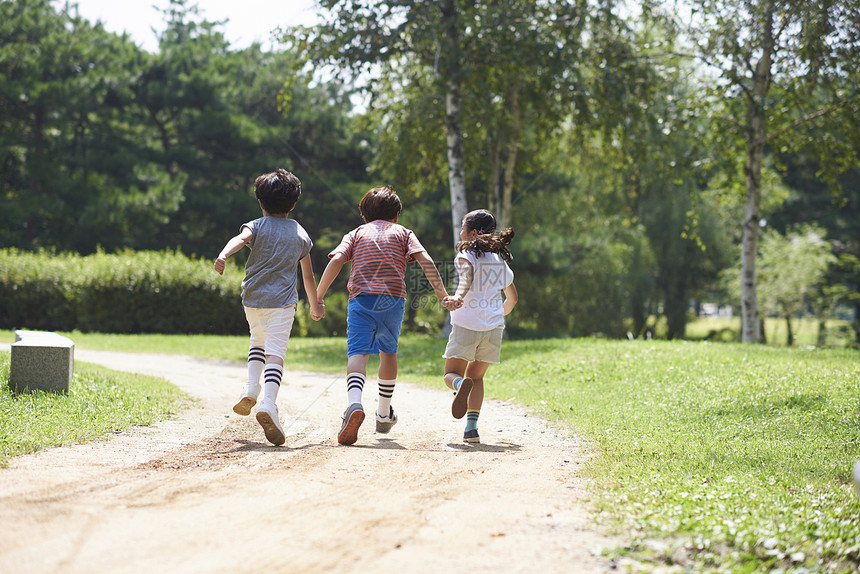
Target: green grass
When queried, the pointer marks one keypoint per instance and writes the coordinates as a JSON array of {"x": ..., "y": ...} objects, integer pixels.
[
  {"x": 419, "y": 359},
  {"x": 839, "y": 333},
  {"x": 723, "y": 457},
  {"x": 736, "y": 457},
  {"x": 99, "y": 402}
]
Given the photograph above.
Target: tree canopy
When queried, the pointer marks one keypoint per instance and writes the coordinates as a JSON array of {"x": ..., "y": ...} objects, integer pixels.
[{"x": 637, "y": 151}]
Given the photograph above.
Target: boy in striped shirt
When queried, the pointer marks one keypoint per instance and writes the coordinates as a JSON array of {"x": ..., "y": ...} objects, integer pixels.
[{"x": 379, "y": 251}]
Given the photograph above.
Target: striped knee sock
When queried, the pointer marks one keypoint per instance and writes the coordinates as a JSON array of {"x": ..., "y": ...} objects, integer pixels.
[
  {"x": 272, "y": 377},
  {"x": 472, "y": 419},
  {"x": 354, "y": 387},
  {"x": 256, "y": 363},
  {"x": 386, "y": 391}
]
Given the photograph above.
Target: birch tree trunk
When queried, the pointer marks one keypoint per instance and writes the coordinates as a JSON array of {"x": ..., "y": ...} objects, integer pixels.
[
  {"x": 456, "y": 172},
  {"x": 749, "y": 247},
  {"x": 453, "y": 125},
  {"x": 494, "y": 195},
  {"x": 503, "y": 216},
  {"x": 756, "y": 134}
]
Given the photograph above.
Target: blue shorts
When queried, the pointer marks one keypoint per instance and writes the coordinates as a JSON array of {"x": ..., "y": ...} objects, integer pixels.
[{"x": 373, "y": 324}]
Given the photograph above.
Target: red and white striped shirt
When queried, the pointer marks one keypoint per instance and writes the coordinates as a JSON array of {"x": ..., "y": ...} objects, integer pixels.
[{"x": 379, "y": 251}]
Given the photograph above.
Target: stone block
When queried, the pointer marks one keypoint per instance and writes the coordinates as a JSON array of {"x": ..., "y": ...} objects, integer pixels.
[
  {"x": 21, "y": 333},
  {"x": 41, "y": 361}
]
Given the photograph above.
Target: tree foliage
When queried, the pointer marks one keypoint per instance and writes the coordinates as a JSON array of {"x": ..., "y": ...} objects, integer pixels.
[
  {"x": 107, "y": 145},
  {"x": 792, "y": 269},
  {"x": 623, "y": 164},
  {"x": 783, "y": 65},
  {"x": 494, "y": 83}
]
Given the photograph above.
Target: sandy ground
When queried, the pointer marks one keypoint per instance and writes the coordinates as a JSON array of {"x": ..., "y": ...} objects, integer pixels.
[{"x": 205, "y": 491}]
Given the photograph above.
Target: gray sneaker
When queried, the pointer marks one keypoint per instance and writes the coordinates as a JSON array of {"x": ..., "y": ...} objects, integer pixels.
[
  {"x": 353, "y": 416},
  {"x": 384, "y": 424}
]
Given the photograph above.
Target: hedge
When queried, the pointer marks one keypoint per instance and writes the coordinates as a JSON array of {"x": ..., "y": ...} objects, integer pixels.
[
  {"x": 127, "y": 292},
  {"x": 157, "y": 292}
]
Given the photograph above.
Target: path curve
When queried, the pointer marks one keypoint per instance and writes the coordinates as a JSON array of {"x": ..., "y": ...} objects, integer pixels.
[{"x": 205, "y": 492}]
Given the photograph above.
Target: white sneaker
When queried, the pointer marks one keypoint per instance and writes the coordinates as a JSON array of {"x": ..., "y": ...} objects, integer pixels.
[
  {"x": 267, "y": 416},
  {"x": 248, "y": 399}
]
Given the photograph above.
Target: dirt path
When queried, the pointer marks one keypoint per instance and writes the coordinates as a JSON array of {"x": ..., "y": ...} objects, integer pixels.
[{"x": 205, "y": 492}]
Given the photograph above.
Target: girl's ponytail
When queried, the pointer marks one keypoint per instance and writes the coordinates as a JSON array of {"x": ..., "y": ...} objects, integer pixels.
[
  {"x": 487, "y": 241},
  {"x": 507, "y": 235}
]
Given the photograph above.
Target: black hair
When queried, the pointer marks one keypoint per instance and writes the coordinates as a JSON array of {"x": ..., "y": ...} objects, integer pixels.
[
  {"x": 278, "y": 191},
  {"x": 487, "y": 240}
]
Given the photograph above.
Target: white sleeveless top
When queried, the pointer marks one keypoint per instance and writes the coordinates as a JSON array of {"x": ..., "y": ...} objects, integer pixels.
[{"x": 483, "y": 306}]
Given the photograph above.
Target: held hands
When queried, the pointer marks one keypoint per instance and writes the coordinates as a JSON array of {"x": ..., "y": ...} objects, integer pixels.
[
  {"x": 452, "y": 302},
  {"x": 317, "y": 310}
]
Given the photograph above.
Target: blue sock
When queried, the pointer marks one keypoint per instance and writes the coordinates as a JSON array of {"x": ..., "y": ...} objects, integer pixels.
[
  {"x": 472, "y": 419},
  {"x": 457, "y": 382}
]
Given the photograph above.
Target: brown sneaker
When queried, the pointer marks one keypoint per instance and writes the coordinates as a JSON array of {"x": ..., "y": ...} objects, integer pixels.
[{"x": 461, "y": 398}]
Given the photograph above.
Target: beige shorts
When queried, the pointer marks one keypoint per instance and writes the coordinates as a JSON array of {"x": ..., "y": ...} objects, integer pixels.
[
  {"x": 270, "y": 328},
  {"x": 472, "y": 345}
]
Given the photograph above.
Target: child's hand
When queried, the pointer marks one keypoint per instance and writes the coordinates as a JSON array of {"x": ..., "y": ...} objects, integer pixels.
[
  {"x": 452, "y": 302},
  {"x": 220, "y": 263},
  {"x": 317, "y": 311}
]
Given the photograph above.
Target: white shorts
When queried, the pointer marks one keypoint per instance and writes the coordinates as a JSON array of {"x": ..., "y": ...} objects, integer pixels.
[
  {"x": 270, "y": 328},
  {"x": 485, "y": 346}
]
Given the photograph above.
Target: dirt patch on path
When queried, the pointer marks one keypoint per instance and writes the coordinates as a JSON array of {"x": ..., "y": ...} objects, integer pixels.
[{"x": 205, "y": 491}]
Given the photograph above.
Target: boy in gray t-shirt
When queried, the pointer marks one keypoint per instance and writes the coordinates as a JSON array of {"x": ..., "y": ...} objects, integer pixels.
[{"x": 278, "y": 245}]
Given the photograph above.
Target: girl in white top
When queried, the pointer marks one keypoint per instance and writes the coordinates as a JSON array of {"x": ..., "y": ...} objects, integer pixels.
[{"x": 479, "y": 319}]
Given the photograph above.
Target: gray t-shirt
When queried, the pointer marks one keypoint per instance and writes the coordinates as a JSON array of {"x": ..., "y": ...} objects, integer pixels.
[{"x": 277, "y": 244}]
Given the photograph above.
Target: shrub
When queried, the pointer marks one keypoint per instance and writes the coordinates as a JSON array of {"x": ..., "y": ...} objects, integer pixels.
[
  {"x": 127, "y": 292},
  {"x": 35, "y": 290}
]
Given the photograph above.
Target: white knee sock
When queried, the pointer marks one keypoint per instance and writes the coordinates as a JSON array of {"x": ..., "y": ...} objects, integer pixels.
[
  {"x": 256, "y": 364},
  {"x": 272, "y": 378},
  {"x": 354, "y": 387},
  {"x": 386, "y": 390}
]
